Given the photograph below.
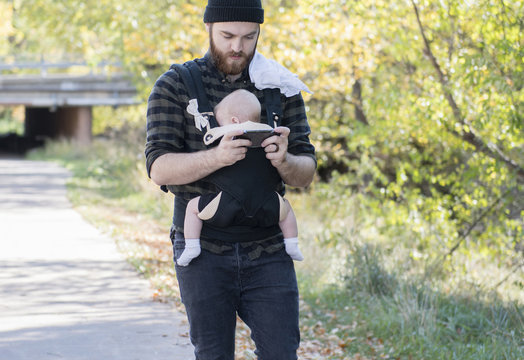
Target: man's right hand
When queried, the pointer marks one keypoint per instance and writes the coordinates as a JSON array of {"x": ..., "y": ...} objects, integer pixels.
[{"x": 231, "y": 150}]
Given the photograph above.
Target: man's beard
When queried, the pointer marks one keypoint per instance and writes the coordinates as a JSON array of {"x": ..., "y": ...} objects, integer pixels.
[{"x": 221, "y": 59}]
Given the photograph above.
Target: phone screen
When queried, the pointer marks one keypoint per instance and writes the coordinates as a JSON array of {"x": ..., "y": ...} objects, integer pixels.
[{"x": 256, "y": 136}]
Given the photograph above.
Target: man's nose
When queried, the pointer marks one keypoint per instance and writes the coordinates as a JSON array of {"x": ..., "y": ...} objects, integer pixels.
[{"x": 236, "y": 45}]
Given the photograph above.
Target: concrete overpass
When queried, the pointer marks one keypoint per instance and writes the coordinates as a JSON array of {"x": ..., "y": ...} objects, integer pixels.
[{"x": 60, "y": 105}]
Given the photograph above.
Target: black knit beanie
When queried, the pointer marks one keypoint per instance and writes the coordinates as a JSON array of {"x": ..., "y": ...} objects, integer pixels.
[{"x": 234, "y": 10}]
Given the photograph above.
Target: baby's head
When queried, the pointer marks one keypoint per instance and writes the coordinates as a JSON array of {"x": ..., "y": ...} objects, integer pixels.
[{"x": 238, "y": 107}]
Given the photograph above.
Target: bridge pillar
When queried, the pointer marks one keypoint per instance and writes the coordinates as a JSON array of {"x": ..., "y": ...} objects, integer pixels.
[
  {"x": 75, "y": 123},
  {"x": 72, "y": 123}
]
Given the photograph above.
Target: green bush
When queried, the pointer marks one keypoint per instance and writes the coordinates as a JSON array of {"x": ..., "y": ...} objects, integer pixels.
[{"x": 365, "y": 271}]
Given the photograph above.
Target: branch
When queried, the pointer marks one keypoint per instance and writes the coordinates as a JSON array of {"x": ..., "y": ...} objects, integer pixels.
[
  {"x": 517, "y": 268},
  {"x": 474, "y": 224},
  {"x": 463, "y": 235},
  {"x": 468, "y": 133},
  {"x": 357, "y": 102}
]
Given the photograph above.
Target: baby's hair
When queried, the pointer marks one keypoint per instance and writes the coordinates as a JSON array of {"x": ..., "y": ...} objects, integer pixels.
[{"x": 241, "y": 104}]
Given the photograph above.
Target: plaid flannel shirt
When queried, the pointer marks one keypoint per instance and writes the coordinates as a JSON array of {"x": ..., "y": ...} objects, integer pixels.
[{"x": 171, "y": 129}]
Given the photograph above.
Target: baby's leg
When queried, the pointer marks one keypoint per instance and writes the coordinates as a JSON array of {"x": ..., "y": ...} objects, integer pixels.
[
  {"x": 192, "y": 223},
  {"x": 192, "y": 229},
  {"x": 289, "y": 227}
]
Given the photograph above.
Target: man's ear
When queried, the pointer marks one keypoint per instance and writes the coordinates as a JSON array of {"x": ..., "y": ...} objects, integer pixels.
[
  {"x": 235, "y": 120},
  {"x": 207, "y": 27}
]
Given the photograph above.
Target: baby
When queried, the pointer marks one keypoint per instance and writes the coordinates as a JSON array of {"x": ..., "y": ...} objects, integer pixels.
[{"x": 239, "y": 110}]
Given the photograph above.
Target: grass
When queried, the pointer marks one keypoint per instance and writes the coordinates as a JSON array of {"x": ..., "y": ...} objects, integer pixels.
[
  {"x": 399, "y": 319},
  {"x": 359, "y": 300}
]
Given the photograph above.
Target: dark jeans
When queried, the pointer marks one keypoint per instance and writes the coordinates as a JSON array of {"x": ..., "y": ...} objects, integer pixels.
[{"x": 263, "y": 292}]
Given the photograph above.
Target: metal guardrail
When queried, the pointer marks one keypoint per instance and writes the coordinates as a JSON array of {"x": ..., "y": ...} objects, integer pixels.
[{"x": 19, "y": 63}]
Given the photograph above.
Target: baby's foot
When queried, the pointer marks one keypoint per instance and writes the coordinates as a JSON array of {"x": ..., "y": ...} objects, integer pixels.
[
  {"x": 191, "y": 251},
  {"x": 293, "y": 250}
]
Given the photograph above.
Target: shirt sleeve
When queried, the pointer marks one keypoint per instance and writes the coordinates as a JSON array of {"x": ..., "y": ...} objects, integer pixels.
[
  {"x": 165, "y": 118},
  {"x": 295, "y": 119}
]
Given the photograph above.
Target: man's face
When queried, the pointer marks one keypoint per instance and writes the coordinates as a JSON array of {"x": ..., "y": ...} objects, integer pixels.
[{"x": 233, "y": 45}]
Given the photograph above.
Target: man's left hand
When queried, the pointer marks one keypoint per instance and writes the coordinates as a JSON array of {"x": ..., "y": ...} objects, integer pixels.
[{"x": 276, "y": 146}]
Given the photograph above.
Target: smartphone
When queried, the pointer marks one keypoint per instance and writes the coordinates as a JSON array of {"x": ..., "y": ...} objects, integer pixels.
[{"x": 256, "y": 136}]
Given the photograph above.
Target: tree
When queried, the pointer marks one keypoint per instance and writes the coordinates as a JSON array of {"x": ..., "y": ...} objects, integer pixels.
[{"x": 417, "y": 110}]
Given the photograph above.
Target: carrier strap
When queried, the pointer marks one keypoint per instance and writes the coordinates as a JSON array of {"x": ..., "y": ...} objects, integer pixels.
[
  {"x": 273, "y": 106},
  {"x": 192, "y": 78}
]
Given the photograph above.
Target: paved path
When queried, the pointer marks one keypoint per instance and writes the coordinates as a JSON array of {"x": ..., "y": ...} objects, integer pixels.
[{"x": 65, "y": 291}]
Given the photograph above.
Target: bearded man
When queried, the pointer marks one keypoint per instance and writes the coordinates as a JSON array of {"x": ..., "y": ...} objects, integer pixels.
[{"x": 242, "y": 271}]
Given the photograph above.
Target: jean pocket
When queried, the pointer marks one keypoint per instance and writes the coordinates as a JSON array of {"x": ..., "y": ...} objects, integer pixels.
[{"x": 179, "y": 244}]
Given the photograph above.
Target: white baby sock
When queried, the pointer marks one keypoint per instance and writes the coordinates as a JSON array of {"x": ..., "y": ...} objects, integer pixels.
[
  {"x": 292, "y": 249},
  {"x": 191, "y": 251}
]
